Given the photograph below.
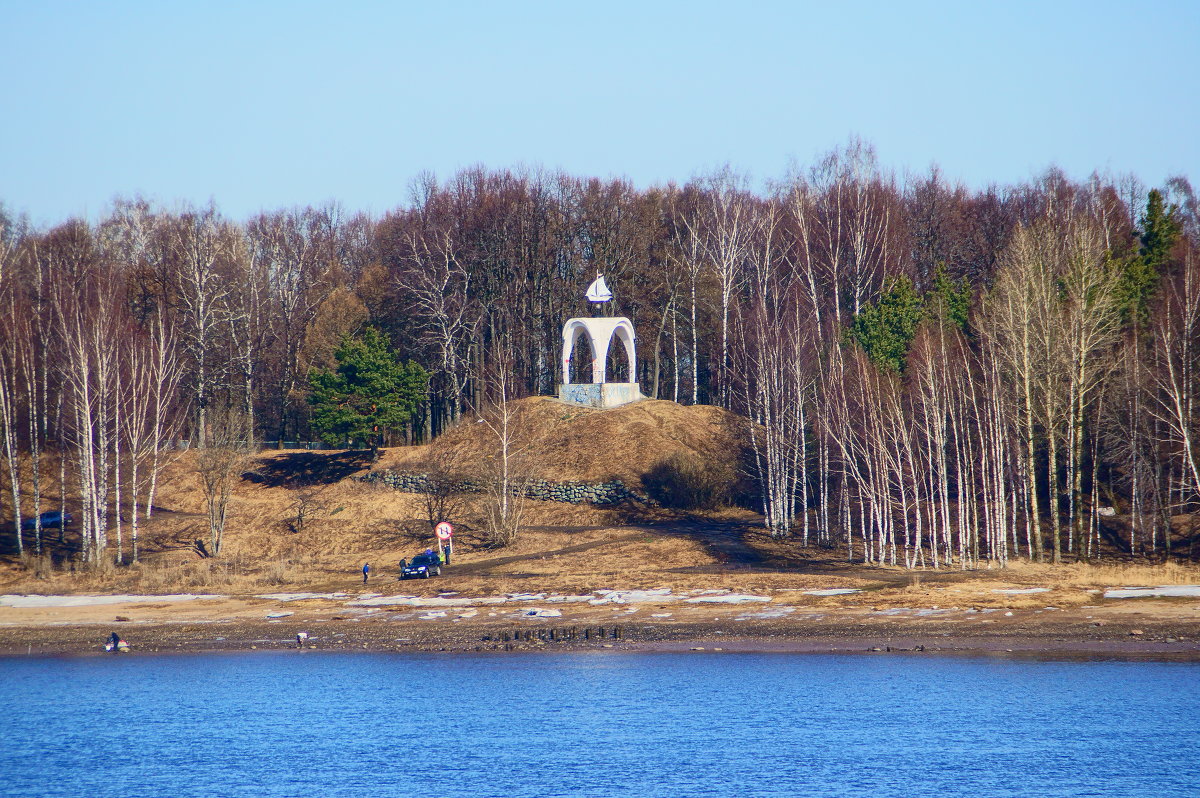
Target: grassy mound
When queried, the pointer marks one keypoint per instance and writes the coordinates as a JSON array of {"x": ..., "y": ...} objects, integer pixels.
[{"x": 567, "y": 442}]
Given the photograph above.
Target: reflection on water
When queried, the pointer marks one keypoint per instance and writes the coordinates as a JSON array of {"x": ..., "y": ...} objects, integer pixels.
[{"x": 304, "y": 723}]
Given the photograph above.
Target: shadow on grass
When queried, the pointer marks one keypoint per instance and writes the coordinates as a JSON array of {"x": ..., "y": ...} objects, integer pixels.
[{"x": 304, "y": 469}]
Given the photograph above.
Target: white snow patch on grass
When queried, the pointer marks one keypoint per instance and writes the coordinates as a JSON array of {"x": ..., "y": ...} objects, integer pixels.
[
  {"x": 633, "y": 596},
  {"x": 732, "y": 598},
  {"x": 1163, "y": 591},
  {"x": 540, "y": 613},
  {"x": 772, "y": 612},
  {"x": 279, "y": 614},
  {"x": 25, "y": 602},
  {"x": 300, "y": 596},
  {"x": 417, "y": 601}
]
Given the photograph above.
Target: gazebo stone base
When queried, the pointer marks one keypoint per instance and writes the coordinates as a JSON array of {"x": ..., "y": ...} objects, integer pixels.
[{"x": 601, "y": 395}]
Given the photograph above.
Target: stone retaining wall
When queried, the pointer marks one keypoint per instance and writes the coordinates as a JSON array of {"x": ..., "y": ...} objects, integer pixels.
[{"x": 600, "y": 493}]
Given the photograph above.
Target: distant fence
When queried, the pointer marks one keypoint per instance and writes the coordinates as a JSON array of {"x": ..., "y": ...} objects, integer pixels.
[
  {"x": 182, "y": 445},
  {"x": 600, "y": 493}
]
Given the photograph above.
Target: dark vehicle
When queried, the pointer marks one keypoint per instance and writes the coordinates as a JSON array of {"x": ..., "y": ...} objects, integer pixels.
[
  {"x": 422, "y": 566},
  {"x": 50, "y": 520}
]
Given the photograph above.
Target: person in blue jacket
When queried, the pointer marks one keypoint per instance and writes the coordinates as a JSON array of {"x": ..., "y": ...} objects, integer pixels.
[{"x": 366, "y": 571}]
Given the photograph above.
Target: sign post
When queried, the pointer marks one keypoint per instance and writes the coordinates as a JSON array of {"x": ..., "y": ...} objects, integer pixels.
[{"x": 445, "y": 535}]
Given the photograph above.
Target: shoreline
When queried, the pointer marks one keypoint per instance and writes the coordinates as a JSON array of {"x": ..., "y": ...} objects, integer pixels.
[{"x": 1069, "y": 635}]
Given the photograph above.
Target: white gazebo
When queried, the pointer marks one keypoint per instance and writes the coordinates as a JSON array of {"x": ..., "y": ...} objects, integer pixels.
[{"x": 591, "y": 339}]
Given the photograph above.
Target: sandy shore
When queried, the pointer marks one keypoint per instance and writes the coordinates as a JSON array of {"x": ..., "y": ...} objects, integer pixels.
[{"x": 1135, "y": 629}]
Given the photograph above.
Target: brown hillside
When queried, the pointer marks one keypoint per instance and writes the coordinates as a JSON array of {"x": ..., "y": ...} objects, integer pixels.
[
  {"x": 567, "y": 442},
  {"x": 349, "y": 520}
]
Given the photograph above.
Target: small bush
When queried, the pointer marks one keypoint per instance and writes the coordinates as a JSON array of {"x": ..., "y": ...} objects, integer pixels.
[
  {"x": 685, "y": 482},
  {"x": 41, "y": 566}
]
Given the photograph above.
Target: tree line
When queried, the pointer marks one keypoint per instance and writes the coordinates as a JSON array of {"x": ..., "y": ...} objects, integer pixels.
[{"x": 936, "y": 376}]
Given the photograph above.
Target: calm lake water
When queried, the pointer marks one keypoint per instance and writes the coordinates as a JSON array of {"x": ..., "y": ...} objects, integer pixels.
[{"x": 311, "y": 724}]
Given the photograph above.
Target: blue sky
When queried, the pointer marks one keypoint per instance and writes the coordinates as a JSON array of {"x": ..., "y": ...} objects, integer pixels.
[{"x": 264, "y": 105}]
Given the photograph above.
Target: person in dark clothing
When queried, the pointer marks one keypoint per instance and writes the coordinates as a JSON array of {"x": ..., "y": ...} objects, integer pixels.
[{"x": 366, "y": 571}]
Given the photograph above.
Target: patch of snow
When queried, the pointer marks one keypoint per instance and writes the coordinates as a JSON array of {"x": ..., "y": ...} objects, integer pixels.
[
  {"x": 453, "y": 602},
  {"x": 526, "y": 596},
  {"x": 732, "y": 598},
  {"x": 833, "y": 591},
  {"x": 25, "y": 602},
  {"x": 417, "y": 601},
  {"x": 300, "y": 596},
  {"x": 539, "y": 613},
  {"x": 279, "y": 614},
  {"x": 1163, "y": 591},
  {"x": 429, "y": 616},
  {"x": 773, "y": 612},
  {"x": 661, "y": 614},
  {"x": 633, "y": 596},
  {"x": 468, "y": 614},
  {"x": 1018, "y": 591},
  {"x": 369, "y": 595}
]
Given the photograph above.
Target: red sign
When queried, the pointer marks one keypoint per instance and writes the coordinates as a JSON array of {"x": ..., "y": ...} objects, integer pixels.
[{"x": 444, "y": 530}]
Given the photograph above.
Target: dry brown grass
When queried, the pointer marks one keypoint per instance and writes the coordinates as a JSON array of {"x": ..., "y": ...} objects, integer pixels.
[
  {"x": 356, "y": 522},
  {"x": 1099, "y": 575},
  {"x": 576, "y": 443}
]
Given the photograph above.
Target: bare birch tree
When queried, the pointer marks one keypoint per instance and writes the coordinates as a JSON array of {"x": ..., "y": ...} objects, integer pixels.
[
  {"x": 220, "y": 465},
  {"x": 1176, "y": 330},
  {"x": 506, "y": 469}
]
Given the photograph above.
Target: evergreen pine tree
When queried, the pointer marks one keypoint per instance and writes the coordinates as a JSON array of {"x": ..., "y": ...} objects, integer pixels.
[
  {"x": 368, "y": 393},
  {"x": 886, "y": 329},
  {"x": 1160, "y": 230},
  {"x": 950, "y": 300}
]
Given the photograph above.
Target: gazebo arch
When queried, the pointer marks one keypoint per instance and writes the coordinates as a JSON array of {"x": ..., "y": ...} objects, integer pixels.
[
  {"x": 579, "y": 356},
  {"x": 600, "y": 333}
]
